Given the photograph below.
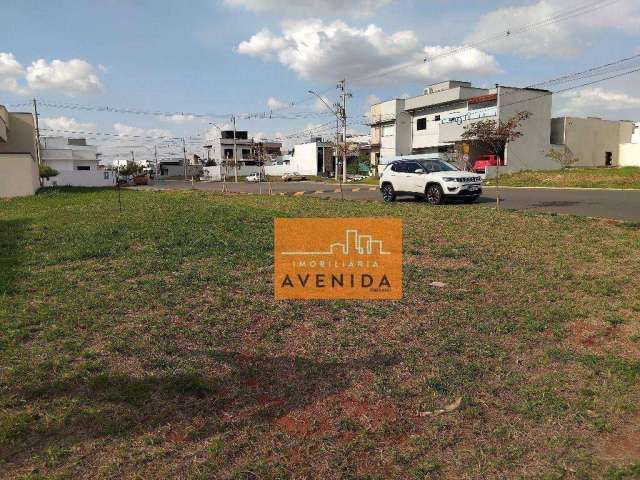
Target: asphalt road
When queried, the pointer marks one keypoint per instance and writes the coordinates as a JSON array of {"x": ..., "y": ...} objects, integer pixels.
[{"x": 616, "y": 204}]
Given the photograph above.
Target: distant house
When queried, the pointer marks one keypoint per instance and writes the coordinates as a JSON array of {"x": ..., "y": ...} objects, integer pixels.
[
  {"x": 247, "y": 150},
  {"x": 75, "y": 161},
  {"x": 595, "y": 142},
  {"x": 432, "y": 124},
  {"x": 176, "y": 167},
  {"x": 19, "y": 174},
  {"x": 313, "y": 158}
]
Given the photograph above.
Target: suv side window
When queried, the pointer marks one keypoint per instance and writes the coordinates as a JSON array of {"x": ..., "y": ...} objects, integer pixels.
[
  {"x": 412, "y": 167},
  {"x": 398, "y": 167}
]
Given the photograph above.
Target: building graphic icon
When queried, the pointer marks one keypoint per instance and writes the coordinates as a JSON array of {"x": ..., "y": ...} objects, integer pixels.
[{"x": 354, "y": 244}]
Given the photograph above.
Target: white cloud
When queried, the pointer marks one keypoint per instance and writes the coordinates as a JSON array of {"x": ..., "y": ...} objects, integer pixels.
[
  {"x": 73, "y": 77},
  {"x": 179, "y": 118},
  {"x": 594, "y": 99},
  {"x": 275, "y": 104},
  {"x": 358, "y": 8},
  {"x": 329, "y": 51},
  {"x": 128, "y": 130},
  {"x": 214, "y": 133},
  {"x": 65, "y": 124},
  {"x": 555, "y": 39},
  {"x": 10, "y": 72},
  {"x": 320, "y": 106},
  {"x": 372, "y": 99}
]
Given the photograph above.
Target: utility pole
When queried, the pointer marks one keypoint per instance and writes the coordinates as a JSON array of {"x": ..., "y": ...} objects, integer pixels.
[
  {"x": 342, "y": 85},
  {"x": 35, "y": 115},
  {"x": 235, "y": 150},
  {"x": 155, "y": 158},
  {"x": 337, "y": 151},
  {"x": 184, "y": 158}
]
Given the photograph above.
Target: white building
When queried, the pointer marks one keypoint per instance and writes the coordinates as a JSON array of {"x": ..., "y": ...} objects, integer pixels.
[
  {"x": 75, "y": 161},
  {"x": 433, "y": 123},
  {"x": 313, "y": 158}
]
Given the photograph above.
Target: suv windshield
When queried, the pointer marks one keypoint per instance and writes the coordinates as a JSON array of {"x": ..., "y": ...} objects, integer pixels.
[{"x": 436, "y": 166}]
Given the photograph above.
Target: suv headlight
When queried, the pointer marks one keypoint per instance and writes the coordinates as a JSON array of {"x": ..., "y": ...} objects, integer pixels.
[{"x": 449, "y": 179}]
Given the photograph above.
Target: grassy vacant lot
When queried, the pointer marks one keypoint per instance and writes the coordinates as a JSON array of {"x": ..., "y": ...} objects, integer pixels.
[
  {"x": 626, "y": 177},
  {"x": 148, "y": 345}
]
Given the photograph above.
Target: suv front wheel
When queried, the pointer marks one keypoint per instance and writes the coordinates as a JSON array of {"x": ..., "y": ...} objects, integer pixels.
[
  {"x": 388, "y": 193},
  {"x": 434, "y": 194}
]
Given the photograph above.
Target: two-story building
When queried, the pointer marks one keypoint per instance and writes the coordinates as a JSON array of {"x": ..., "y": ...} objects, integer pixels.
[
  {"x": 19, "y": 173},
  {"x": 247, "y": 150},
  {"x": 433, "y": 123},
  {"x": 76, "y": 162}
]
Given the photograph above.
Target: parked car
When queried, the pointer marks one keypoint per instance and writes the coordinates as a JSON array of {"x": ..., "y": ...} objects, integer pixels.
[
  {"x": 141, "y": 179},
  {"x": 293, "y": 177},
  {"x": 435, "y": 180},
  {"x": 255, "y": 178},
  {"x": 355, "y": 178},
  {"x": 480, "y": 165}
]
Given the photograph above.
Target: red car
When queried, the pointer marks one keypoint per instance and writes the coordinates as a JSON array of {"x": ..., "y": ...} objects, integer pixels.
[{"x": 480, "y": 166}]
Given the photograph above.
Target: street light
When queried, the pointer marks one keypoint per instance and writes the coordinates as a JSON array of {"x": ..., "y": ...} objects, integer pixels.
[{"x": 337, "y": 114}]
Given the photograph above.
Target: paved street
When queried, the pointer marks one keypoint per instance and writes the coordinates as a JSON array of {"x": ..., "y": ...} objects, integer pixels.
[{"x": 617, "y": 204}]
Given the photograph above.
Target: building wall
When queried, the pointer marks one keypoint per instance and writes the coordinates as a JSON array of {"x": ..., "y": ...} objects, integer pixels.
[
  {"x": 216, "y": 172},
  {"x": 590, "y": 138},
  {"x": 80, "y": 178},
  {"x": 20, "y": 135},
  {"x": 19, "y": 175},
  {"x": 635, "y": 136},
  {"x": 529, "y": 152},
  {"x": 305, "y": 159},
  {"x": 629, "y": 155},
  {"x": 4, "y": 121}
]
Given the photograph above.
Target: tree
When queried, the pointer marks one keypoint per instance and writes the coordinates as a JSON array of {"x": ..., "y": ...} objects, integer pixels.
[
  {"x": 496, "y": 136},
  {"x": 562, "y": 156},
  {"x": 47, "y": 172},
  {"x": 131, "y": 168}
]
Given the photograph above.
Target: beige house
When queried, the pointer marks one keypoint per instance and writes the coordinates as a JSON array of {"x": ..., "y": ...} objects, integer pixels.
[
  {"x": 18, "y": 158},
  {"x": 594, "y": 142}
]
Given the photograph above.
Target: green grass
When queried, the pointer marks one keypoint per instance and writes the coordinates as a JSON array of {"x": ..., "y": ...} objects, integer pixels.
[
  {"x": 148, "y": 344},
  {"x": 625, "y": 177}
]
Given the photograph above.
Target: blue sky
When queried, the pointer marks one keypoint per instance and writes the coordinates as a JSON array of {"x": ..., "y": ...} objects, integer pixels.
[{"x": 232, "y": 56}]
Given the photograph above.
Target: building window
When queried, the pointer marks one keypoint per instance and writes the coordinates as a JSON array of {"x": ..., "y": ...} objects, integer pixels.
[
  {"x": 388, "y": 130},
  {"x": 83, "y": 167},
  {"x": 246, "y": 153},
  {"x": 228, "y": 153},
  {"x": 106, "y": 175},
  {"x": 436, "y": 118},
  {"x": 422, "y": 123}
]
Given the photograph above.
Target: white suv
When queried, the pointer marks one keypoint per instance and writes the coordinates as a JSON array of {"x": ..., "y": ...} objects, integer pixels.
[{"x": 434, "y": 180}]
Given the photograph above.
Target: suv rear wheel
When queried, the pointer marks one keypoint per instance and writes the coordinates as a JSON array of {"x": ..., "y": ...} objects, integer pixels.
[
  {"x": 434, "y": 194},
  {"x": 388, "y": 193}
]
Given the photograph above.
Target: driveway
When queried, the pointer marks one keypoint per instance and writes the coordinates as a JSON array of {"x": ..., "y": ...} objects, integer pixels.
[{"x": 616, "y": 204}]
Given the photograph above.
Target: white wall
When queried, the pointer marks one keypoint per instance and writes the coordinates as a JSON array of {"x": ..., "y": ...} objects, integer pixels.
[
  {"x": 80, "y": 178},
  {"x": 629, "y": 155},
  {"x": 214, "y": 173},
  {"x": 277, "y": 170},
  {"x": 305, "y": 159}
]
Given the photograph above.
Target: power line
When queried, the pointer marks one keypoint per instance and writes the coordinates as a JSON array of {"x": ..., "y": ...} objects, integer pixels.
[{"x": 560, "y": 15}]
